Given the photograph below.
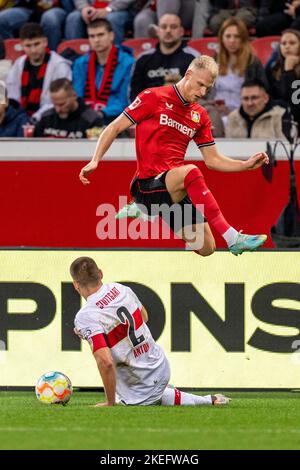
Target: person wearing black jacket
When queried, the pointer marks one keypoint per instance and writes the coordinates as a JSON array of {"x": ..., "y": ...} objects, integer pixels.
[
  {"x": 276, "y": 15},
  {"x": 70, "y": 117},
  {"x": 284, "y": 71},
  {"x": 170, "y": 57}
]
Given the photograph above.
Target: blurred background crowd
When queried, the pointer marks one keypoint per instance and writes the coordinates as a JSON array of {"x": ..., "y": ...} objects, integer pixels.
[{"x": 69, "y": 67}]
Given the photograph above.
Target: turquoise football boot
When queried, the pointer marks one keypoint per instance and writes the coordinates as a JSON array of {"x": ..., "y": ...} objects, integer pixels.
[{"x": 247, "y": 243}]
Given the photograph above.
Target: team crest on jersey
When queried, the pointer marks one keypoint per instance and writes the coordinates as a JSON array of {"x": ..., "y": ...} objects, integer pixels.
[
  {"x": 195, "y": 116},
  {"x": 135, "y": 103}
]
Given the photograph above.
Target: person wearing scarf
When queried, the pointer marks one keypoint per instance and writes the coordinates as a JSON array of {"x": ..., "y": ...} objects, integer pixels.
[
  {"x": 29, "y": 79},
  {"x": 102, "y": 76}
]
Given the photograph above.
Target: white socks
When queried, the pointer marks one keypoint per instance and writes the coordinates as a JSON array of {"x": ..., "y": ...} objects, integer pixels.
[
  {"x": 173, "y": 397},
  {"x": 230, "y": 236}
]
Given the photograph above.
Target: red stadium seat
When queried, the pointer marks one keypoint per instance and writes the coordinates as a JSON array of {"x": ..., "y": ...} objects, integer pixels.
[
  {"x": 263, "y": 47},
  {"x": 81, "y": 46},
  {"x": 13, "y": 49},
  {"x": 140, "y": 45},
  {"x": 206, "y": 46}
]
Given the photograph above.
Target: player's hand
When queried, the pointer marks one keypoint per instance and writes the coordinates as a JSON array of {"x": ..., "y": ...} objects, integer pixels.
[
  {"x": 257, "y": 160},
  {"x": 86, "y": 170},
  {"x": 77, "y": 332}
]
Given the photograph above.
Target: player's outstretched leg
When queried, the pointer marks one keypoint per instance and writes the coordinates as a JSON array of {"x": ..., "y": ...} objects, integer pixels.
[
  {"x": 174, "y": 397},
  {"x": 190, "y": 178}
]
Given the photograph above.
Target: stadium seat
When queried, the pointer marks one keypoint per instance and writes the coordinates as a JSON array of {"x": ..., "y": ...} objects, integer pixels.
[
  {"x": 207, "y": 46},
  {"x": 140, "y": 45},
  {"x": 13, "y": 49},
  {"x": 81, "y": 46},
  {"x": 263, "y": 47}
]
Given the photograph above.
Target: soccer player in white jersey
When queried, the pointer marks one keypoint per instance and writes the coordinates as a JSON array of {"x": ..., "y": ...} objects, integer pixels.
[{"x": 133, "y": 368}]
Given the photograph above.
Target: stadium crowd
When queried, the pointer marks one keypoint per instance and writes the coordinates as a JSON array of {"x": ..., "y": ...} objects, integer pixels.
[{"x": 67, "y": 94}]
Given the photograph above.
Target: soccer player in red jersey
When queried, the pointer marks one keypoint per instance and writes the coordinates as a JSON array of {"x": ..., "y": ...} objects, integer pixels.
[{"x": 167, "y": 119}]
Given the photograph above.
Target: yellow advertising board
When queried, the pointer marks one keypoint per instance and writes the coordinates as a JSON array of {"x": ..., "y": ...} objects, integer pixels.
[{"x": 223, "y": 321}]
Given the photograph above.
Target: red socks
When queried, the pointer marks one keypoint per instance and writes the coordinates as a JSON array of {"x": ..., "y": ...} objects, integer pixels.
[{"x": 200, "y": 194}]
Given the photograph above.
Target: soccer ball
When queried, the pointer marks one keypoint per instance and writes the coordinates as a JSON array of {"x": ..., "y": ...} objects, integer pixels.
[{"x": 54, "y": 388}]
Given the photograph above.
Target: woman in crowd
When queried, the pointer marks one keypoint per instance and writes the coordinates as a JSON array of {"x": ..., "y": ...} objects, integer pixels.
[
  {"x": 283, "y": 70},
  {"x": 237, "y": 63}
]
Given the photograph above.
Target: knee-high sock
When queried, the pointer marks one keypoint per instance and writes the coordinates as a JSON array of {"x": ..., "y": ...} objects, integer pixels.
[
  {"x": 173, "y": 397},
  {"x": 199, "y": 193}
]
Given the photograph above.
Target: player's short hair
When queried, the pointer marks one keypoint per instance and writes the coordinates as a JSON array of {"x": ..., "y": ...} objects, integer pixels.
[
  {"x": 61, "y": 84},
  {"x": 85, "y": 271},
  {"x": 205, "y": 62},
  {"x": 101, "y": 22},
  {"x": 31, "y": 31}
]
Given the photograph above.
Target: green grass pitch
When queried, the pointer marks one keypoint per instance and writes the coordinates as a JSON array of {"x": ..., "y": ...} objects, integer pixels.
[{"x": 260, "y": 420}]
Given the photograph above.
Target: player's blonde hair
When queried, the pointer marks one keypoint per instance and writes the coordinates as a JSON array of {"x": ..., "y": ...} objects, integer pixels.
[{"x": 205, "y": 62}]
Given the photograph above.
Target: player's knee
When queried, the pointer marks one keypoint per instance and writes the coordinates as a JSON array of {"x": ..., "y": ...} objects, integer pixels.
[
  {"x": 208, "y": 249},
  {"x": 188, "y": 168},
  {"x": 205, "y": 252}
]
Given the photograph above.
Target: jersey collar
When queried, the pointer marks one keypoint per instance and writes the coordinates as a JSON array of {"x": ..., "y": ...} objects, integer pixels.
[
  {"x": 95, "y": 294},
  {"x": 185, "y": 103}
]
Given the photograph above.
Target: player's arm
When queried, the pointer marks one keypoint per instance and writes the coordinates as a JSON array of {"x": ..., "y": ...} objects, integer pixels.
[
  {"x": 107, "y": 371},
  {"x": 214, "y": 160},
  {"x": 144, "y": 314},
  {"x": 120, "y": 124}
]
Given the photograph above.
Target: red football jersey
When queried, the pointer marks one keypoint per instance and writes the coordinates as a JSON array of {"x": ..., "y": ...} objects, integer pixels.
[{"x": 166, "y": 123}]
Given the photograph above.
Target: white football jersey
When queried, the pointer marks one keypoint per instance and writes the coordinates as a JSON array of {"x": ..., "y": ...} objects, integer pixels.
[{"x": 112, "y": 317}]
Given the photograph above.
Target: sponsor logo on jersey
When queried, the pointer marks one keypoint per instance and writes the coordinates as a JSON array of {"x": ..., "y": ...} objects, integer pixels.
[
  {"x": 135, "y": 103},
  {"x": 169, "y": 106},
  {"x": 195, "y": 116},
  {"x": 164, "y": 120}
]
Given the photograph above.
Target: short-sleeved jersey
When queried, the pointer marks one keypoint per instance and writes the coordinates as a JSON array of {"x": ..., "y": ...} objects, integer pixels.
[
  {"x": 112, "y": 318},
  {"x": 166, "y": 123}
]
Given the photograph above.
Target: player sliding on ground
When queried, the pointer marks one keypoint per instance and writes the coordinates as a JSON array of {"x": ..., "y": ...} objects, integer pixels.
[
  {"x": 167, "y": 119},
  {"x": 133, "y": 368}
]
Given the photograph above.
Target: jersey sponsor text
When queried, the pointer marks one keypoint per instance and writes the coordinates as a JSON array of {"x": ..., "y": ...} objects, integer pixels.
[{"x": 166, "y": 121}]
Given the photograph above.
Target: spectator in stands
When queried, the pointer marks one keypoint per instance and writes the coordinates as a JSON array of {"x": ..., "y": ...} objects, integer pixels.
[
  {"x": 221, "y": 10},
  {"x": 51, "y": 16},
  {"x": 277, "y": 15},
  {"x": 284, "y": 70},
  {"x": 236, "y": 64},
  {"x": 102, "y": 76},
  {"x": 5, "y": 64},
  {"x": 29, "y": 78},
  {"x": 70, "y": 117},
  {"x": 12, "y": 118},
  {"x": 119, "y": 13},
  {"x": 193, "y": 14},
  {"x": 171, "y": 56},
  {"x": 258, "y": 117}
]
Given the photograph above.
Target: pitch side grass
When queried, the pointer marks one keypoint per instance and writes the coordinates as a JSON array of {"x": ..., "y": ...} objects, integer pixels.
[{"x": 260, "y": 420}]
